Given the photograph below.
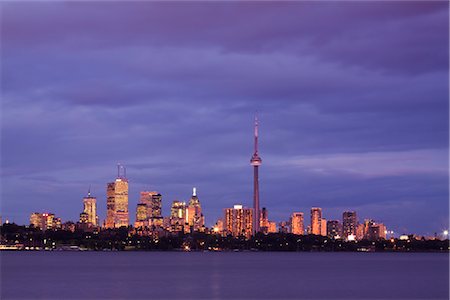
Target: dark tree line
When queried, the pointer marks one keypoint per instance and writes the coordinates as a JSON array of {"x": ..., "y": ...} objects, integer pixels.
[{"x": 126, "y": 239}]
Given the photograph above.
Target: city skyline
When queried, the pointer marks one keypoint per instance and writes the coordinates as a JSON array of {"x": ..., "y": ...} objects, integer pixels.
[
  {"x": 189, "y": 218},
  {"x": 345, "y": 127}
]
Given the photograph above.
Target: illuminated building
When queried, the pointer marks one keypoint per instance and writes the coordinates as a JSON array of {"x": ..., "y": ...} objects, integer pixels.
[
  {"x": 374, "y": 231},
  {"x": 141, "y": 215},
  {"x": 194, "y": 216},
  {"x": 146, "y": 198},
  {"x": 323, "y": 227},
  {"x": 117, "y": 201},
  {"x": 84, "y": 217},
  {"x": 256, "y": 161},
  {"x": 90, "y": 208},
  {"x": 334, "y": 229},
  {"x": 266, "y": 226},
  {"x": 218, "y": 228},
  {"x": 156, "y": 205},
  {"x": 349, "y": 223},
  {"x": 272, "y": 227},
  {"x": 316, "y": 220},
  {"x": 264, "y": 223},
  {"x": 156, "y": 222},
  {"x": 177, "y": 216},
  {"x": 283, "y": 227},
  {"x": 239, "y": 221},
  {"x": 166, "y": 223},
  {"x": 36, "y": 220},
  {"x": 57, "y": 223},
  {"x": 297, "y": 223},
  {"x": 153, "y": 203},
  {"x": 48, "y": 221},
  {"x": 45, "y": 221},
  {"x": 83, "y": 223},
  {"x": 69, "y": 226},
  {"x": 359, "y": 232}
]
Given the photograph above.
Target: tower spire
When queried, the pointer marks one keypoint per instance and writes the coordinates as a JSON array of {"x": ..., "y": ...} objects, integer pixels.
[
  {"x": 256, "y": 133},
  {"x": 89, "y": 191},
  {"x": 194, "y": 192}
]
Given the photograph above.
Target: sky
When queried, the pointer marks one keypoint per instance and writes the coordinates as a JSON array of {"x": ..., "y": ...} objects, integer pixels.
[{"x": 352, "y": 99}]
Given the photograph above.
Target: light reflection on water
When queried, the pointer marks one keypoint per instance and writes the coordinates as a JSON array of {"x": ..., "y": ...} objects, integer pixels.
[{"x": 179, "y": 275}]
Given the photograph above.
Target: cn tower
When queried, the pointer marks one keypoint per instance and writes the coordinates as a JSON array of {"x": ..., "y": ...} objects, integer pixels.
[{"x": 256, "y": 162}]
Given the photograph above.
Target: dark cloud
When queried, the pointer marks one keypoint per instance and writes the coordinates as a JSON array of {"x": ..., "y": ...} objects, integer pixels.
[{"x": 353, "y": 101}]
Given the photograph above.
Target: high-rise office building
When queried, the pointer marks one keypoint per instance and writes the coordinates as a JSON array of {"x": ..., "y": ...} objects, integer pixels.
[
  {"x": 84, "y": 218},
  {"x": 377, "y": 231},
  {"x": 153, "y": 203},
  {"x": 45, "y": 221},
  {"x": 36, "y": 220},
  {"x": 117, "y": 201},
  {"x": 272, "y": 227},
  {"x": 316, "y": 220},
  {"x": 349, "y": 224},
  {"x": 90, "y": 208},
  {"x": 283, "y": 227},
  {"x": 323, "y": 227},
  {"x": 256, "y": 161},
  {"x": 141, "y": 215},
  {"x": 359, "y": 232},
  {"x": 156, "y": 204},
  {"x": 264, "y": 221},
  {"x": 239, "y": 221},
  {"x": 178, "y": 216},
  {"x": 373, "y": 231},
  {"x": 146, "y": 197},
  {"x": 297, "y": 223},
  {"x": 155, "y": 217},
  {"x": 334, "y": 229},
  {"x": 194, "y": 216}
]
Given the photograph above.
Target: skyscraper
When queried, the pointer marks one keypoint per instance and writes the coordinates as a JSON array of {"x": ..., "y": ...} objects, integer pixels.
[
  {"x": 297, "y": 223},
  {"x": 316, "y": 220},
  {"x": 373, "y": 231},
  {"x": 90, "y": 208},
  {"x": 141, "y": 215},
  {"x": 239, "y": 221},
  {"x": 177, "y": 216},
  {"x": 349, "y": 223},
  {"x": 45, "y": 221},
  {"x": 264, "y": 222},
  {"x": 156, "y": 204},
  {"x": 36, "y": 220},
  {"x": 117, "y": 201},
  {"x": 323, "y": 227},
  {"x": 194, "y": 216},
  {"x": 84, "y": 217},
  {"x": 334, "y": 229},
  {"x": 146, "y": 198},
  {"x": 256, "y": 161}
]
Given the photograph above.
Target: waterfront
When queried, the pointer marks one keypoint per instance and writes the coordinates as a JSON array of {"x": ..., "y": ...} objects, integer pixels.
[{"x": 230, "y": 275}]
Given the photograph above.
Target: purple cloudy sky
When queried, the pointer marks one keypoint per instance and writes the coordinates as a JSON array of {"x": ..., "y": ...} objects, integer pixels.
[{"x": 352, "y": 98}]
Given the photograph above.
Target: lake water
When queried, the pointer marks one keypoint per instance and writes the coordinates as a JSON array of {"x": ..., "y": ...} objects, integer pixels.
[{"x": 230, "y": 275}]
